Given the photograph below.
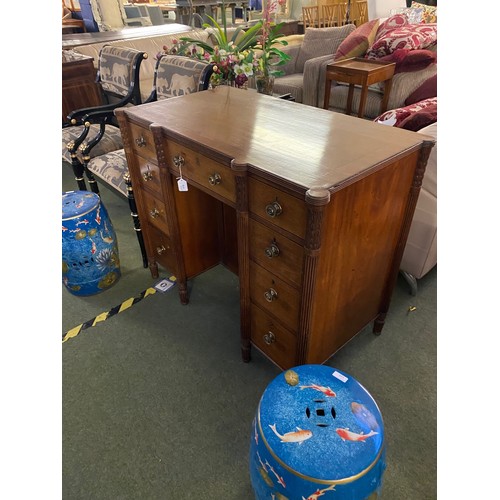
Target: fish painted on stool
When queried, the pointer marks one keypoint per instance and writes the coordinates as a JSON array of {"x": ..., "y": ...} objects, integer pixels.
[
  {"x": 347, "y": 435},
  {"x": 325, "y": 390},
  {"x": 298, "y": 436},
  {"x": 319, "y": 493},
  {"x": 365, "y": 418}
]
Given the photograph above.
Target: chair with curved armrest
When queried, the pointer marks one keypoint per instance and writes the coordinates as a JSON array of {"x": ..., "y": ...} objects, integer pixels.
[
  {"x": 118, "y": 78},
  {"x": 174, "y": 76}
]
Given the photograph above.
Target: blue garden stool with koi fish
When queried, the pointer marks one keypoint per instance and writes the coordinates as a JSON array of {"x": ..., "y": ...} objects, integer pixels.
[
  {"x": 90, "y": 260},
  {"x": 317, "y": 433}
]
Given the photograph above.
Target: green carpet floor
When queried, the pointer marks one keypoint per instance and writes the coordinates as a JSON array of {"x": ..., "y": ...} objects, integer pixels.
[{"x": 157, "y": 403}]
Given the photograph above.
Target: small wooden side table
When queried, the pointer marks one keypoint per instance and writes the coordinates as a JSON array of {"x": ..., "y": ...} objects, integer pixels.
[{"x": 359, "y": 71}]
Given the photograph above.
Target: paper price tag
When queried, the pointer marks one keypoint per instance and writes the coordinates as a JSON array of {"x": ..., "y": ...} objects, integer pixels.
[{"x": 182, "y": 184}]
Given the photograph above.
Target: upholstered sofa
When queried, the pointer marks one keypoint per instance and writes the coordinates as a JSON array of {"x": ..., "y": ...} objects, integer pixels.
[
  {"x": 420, "y": 254},
  {"x": 415, "y": 58}
]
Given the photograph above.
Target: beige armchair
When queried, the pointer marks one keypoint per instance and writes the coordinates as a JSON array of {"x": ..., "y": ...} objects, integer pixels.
[
  {"x": 420, "y": 254},
  {"x": 308, "y": 53}
]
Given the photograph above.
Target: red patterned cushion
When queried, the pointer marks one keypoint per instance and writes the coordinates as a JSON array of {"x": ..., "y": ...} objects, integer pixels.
[
  {"x": 391, "y": 23},
  {"x": 358, "y": 42},
  {"x": 413, "y": 117},
  {"x": 414, "y": 36}
]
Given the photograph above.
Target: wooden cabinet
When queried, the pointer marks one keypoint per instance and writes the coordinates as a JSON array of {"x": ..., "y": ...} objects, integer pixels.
[
  {"x": 79, "y": 89},
  {"x": 311, "y": 209}
]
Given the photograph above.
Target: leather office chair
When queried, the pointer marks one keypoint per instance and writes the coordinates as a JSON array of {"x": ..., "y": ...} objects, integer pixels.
[{"x": 174, "y": 76}]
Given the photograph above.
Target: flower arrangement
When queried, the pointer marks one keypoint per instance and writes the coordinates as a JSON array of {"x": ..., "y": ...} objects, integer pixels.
[
  {"x": 245, "y": 54},
  {"x": 271, "y": 56}
]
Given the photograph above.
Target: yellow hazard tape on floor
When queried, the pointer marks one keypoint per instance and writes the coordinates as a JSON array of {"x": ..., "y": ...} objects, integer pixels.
[{"x": 126, "y": 304}]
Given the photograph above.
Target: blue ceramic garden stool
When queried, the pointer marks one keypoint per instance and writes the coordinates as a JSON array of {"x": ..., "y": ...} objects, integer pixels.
[
  {"x": 90, "y": 261},
  {"x": 317, "y": 433}
]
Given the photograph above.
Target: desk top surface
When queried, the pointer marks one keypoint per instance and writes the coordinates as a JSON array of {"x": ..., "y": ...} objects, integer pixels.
[{"x": 304, "y": 146}]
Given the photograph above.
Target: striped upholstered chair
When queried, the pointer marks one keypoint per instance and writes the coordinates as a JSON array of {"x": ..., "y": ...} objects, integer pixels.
[
  {"x": 118, "y": 78},
  {"x": 174, "y": 76}
]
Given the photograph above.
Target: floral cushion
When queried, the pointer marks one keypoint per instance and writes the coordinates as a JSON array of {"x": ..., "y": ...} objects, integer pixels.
[
  {"x": 391, "y": 23},
  {"x": 429, "y": 14},
  {"x": 410, "y": 36},
  {"x": 358, "y": 42},
  {"x": 413, "y": 117}
]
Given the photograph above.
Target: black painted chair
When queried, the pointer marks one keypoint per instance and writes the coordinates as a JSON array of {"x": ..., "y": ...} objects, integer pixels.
[
  {"x": 118, "y": 78},
  {"x": 174, "y": 76}
]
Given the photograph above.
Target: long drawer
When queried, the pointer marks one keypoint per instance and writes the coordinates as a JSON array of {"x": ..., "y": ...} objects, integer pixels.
[
  {"x": 212, "y": 175},
  {"x": 272, "y": 338},
  {"x": 276, "y": 207},
  {"x": 274, "y": 295},
  {"x": 275, "y": 252}
]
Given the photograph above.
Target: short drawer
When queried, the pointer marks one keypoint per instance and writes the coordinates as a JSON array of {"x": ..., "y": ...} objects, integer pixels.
[
  {"x": 275, "y": 252},
  {"x": 161, "y": 248},
  {"x": 156, "y": 213},
  {"x": 277, "y": 207},
  {"x": 142, "y": 140},
  {"x": 274, "y": 295},
  {"x": 217, "y": 178},
  {"x": 149, "y": 174},
  {"x": 272, "y": 338}
]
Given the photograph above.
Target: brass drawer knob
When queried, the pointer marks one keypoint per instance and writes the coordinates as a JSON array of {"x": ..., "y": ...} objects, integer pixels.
[
  {"x": 274, "y": 209},
  {"x": 154, "y": 213},
  {"x": 271, "y": 295},
  {"x": 269, "y": 338},
  {"x": 272, "y": 250},
  {"x": 160, "y": 250},
  {"x": 140, "y": 141},
  {"x": 178, "y": 161},
  {"x": 214, "y": 179},
  {"x": 147, "y": 176}
]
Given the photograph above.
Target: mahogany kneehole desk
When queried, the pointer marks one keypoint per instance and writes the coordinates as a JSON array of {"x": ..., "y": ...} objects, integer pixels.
[{"x": 310, "y": 208}]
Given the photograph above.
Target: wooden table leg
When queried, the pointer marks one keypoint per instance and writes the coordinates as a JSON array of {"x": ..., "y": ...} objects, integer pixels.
[
  {"x": 328, "y": 86},
  {"x": 349, "y": 99},
  {"x": 362, "y": 100},
  {"x": 387, "y": 92}
]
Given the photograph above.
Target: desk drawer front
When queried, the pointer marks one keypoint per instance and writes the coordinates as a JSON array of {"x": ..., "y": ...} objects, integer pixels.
[
  {"x": 161, "y": 246},
  {"x": 277, "y": 207},
  {"x": 142, "y": 141},
  {"x": 156, "y": 213},
  {"x": 274, "y": 295},
  {"x": 272, "y": 338},
  {"x": 149, "y": 175},
  {"x": 275, "y": 252},
  {"x": 217, "y": 178}
]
